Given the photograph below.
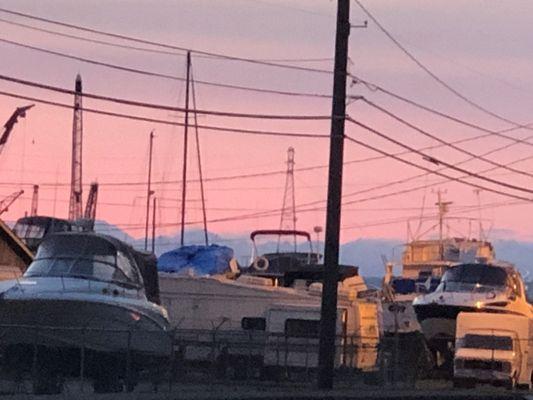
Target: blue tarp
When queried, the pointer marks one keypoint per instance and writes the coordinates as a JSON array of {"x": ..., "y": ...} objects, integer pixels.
[{"x": 203, "y": 260}]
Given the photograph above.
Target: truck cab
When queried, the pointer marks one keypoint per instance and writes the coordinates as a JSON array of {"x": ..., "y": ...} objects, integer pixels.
[{"x": 492, "y": 348}]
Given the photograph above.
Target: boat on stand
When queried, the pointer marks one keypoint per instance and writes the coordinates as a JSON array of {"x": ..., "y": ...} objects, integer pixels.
[
  {"x": 86, "y": 307},
  {"x": 422, "y": 266},
  {"x": 495, "y": 287}
]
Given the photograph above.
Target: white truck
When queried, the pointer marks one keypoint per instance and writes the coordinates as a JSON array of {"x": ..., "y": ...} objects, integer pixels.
[{"x": 493, "y": 348}]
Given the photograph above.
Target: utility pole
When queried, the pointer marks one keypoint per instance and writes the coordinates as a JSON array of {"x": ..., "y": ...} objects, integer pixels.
[
  {"x": 185, "y": 144},
  {"x": 328, "y": 315},
  {"x": 153, "y": 224},
  {"x": 148, "y": 190}
]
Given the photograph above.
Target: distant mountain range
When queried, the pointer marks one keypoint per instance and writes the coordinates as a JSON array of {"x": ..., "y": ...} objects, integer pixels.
[{"x": 365, "y": 253}]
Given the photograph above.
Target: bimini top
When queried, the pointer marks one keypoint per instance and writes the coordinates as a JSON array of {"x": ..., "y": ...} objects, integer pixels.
[
  {"x": 88, "y": 256},
  {"x": 280, "y": 232}
]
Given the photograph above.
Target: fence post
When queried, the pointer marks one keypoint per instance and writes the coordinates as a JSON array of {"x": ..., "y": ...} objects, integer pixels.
[
  {"x": 82, "y": 359},
  {"x": 171, "y": 360},
  {"x": 34, "y": 360},
  {"x": 396, "y": 358},
  {"x": 128, "y": 363}
]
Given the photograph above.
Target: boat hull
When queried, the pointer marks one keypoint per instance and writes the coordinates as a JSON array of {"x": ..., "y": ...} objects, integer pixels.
[{"x": 93, "y": 325}]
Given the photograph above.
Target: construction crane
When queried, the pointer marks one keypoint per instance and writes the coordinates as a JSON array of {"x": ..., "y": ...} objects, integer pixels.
[
  {"x": 75, "y": 205},
  {"x": 20, "y": 112},
  {"x": 6, "y": 202},
  {"x": 90, "y": 208},
  {"x": 34, "y": 201}
]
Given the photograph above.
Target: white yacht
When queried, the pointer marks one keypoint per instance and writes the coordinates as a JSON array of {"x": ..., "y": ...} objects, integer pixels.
[
  {"x": 83, "y": 291},
  {"x": 423, "y": 264},
  {"x": 488, "y": 287}
]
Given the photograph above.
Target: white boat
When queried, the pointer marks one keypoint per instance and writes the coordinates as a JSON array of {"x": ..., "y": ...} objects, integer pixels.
[
  {"x": 423, "y": 264},
  {"x": 83, "y": 291},
  {"x": 487, "y": 287}
]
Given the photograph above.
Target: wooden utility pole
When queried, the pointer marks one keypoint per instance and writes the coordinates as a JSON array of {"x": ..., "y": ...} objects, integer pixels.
[
  {"x": 328, "y": 318},
  {"x": 153, "y": 224},
  {"x": 148, "y": 191},
  {"x": 185, "y": 145}
]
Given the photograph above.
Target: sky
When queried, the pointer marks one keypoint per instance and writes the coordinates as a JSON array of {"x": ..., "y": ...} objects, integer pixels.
[{"x": 480, "y": 48}]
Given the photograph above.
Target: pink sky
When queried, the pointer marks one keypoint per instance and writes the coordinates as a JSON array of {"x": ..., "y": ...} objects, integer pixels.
[{"x": 481, "y": 48}]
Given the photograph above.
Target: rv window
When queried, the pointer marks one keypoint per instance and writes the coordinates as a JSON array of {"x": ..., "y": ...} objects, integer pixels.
[
  {"x": 253, "y": 324},
  {"x": 489, "y": 342},
  {"x": 302, "y": 328}
]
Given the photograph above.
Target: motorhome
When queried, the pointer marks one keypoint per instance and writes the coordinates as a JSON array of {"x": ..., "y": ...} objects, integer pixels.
[{"x": 249, "y": 316}]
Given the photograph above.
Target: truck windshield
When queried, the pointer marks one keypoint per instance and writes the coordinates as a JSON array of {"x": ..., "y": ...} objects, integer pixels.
[
  {"x": 488, "y": 342},
  {"x": 473, "y": 278}
]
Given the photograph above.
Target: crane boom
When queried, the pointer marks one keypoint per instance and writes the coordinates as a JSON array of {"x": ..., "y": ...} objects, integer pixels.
[
  {"x": 90, "y": 207},
  {"x": 20, "y": 112},
  {"x": 6, "y": 202}
]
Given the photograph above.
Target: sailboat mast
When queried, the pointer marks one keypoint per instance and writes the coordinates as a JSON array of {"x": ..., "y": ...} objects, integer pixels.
[
  {"x": 185, "y": 144},
  {"x": 148, "y": 191}
]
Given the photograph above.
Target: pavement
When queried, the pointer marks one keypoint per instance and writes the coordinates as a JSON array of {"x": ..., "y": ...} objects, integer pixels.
[{"x": 284, "y": 391}]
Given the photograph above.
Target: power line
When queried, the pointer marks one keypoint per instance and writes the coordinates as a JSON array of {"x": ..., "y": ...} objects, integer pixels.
[
  {"x": 448, "y": 177},
  {"x": 431, "y": 73},
  {"x": 374, "y": 87},
  {"x": 165, "y": 122},
  {"x": 161, "y": 75},
  {"x": 143, "y": 49},
  {"x": 89, "y": 40},
  {"x": 164, "y": 45},
  {"x": 438, "y": 139},
  {"x": 438, "y": 161},
  {"x": 162, "y": 106}
]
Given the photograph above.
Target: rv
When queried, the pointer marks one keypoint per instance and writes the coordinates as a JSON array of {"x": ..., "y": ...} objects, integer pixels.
[{"x": 247, "y": 317}]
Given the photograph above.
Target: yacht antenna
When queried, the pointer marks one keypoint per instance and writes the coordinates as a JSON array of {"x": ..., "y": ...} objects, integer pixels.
[
  {"x": 443, "y": 209},
  {"x": 480, "y": 223}
]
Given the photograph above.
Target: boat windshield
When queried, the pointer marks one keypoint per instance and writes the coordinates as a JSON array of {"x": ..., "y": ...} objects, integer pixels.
[
  {"x": 83, "y": 256},
  {"x": 473, "y": 278},
  {"x": 29, "y": 230}
]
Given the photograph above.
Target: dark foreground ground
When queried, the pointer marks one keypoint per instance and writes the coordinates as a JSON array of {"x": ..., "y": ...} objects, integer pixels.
[{"x": 287, "y": 391}]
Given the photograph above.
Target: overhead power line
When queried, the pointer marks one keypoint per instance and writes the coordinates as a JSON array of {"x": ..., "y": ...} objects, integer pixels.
[
  {"x": 438, "y": 139},
  {"x": 436, "y": 161},
  {"x": 431, "y": 73},
  {"x": 161, "y": 106},
  {"x": 89, "y": 40},
  {"x": 448, "y": 177},
  {"x": 165, "y": 122},
  {"x": 145, "y": 49},
  {"x": 374, "y": 87},
  {"x": 161, "y": 75},
  {"x": 165, "y": 45}
]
